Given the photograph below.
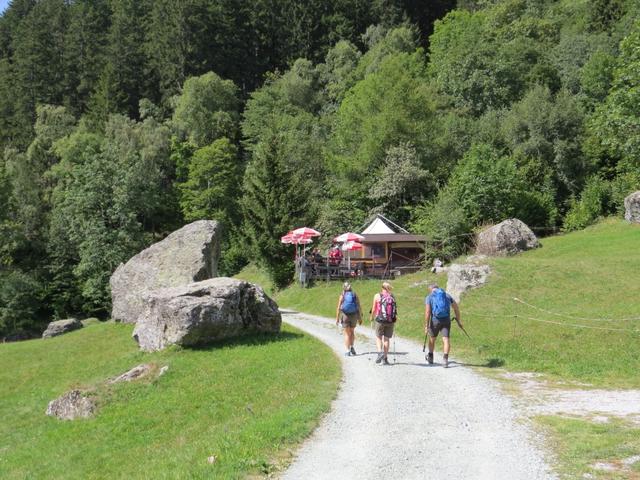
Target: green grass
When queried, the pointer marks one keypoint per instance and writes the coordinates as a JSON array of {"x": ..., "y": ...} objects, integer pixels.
[
  {"x": 580, "y": 444},
  {"x": 592, "y": 274},
  {"x": 245, "y": 401}
]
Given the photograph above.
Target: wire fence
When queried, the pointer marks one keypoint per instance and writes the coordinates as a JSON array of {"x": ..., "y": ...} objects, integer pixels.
[{"x": 519, "y": 316}]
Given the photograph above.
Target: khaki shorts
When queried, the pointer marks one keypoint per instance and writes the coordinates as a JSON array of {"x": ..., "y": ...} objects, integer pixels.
[
  {"x": 349, "y": 319},
  {"x": 384, "y": 329}
]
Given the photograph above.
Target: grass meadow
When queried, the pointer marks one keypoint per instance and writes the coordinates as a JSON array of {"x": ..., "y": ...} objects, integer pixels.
[
  {"x": 580, "y": 320},
  {"x": 246, "y": 402},
  {"x": 580, "y": 445}
]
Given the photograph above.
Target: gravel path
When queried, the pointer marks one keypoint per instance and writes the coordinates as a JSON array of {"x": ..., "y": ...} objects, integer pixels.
[{"x": 410, "y": 420}]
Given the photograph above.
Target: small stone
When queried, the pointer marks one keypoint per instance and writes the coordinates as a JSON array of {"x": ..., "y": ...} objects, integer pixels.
[
  {"x": 163, "y": 370},
  {"x": 71, "y": 405},
  {"x": 600, "y": 419},
  {"x": 211, "y": 459},
  {"x": 133, "y": 374},
  {"x": 604, "y": 466}
]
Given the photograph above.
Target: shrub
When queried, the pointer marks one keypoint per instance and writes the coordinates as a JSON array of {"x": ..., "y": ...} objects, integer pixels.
[
  {"x": 445, "y": 224},
  {"x": 595, "y": 201},
  {"x": 20, "y": 303}
]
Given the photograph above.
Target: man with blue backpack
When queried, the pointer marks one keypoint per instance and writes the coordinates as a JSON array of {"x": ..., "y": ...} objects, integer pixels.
[
  {"x": 437, "y": 318},
  {"x": 349, "y": 314}
]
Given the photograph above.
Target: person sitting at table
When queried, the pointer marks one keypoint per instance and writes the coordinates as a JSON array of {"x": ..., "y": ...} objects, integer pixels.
[{"x": 335, "y": 256}]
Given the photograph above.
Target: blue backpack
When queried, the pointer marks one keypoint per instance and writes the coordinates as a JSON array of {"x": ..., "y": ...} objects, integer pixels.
[
  {"x": 349, "y": 304},
  {"x": 440, "y": 304}
]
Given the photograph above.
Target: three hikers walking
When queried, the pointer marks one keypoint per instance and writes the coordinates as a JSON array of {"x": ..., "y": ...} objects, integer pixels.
[
  {"x": 384, "y": 310},
  {"x": 437, "y": 318}
]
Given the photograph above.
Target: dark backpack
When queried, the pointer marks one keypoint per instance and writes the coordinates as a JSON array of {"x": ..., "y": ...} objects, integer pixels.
[
  {"x": 388, "y": 309},
  {"x": 440, "y": 304},
  {"x": 349, "y": 304}
]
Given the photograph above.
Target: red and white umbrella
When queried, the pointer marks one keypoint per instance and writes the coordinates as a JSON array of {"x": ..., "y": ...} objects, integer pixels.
[
  {"x": 349, "y": 237},
  {"x": 349, "y": 246},
  {"x": 305, "y": 232},
  {"x": 288, "y": 238},
  {"x": 291, "y": 238}
]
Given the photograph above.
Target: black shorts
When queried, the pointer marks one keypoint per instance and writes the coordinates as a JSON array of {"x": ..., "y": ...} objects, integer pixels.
[{"x": 436, "y": 326}]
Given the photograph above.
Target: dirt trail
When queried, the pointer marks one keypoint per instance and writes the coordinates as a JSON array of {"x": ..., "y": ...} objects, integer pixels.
[{"x": 413, "y": 421}]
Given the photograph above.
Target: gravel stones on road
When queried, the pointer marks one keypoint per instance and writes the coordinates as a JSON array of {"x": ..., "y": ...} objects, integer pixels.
[{"x": 413, "y": 421}]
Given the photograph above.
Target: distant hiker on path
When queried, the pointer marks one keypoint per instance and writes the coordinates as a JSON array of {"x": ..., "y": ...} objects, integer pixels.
[
  {"x": 348, "y": 314},
  {"x": 437, "y": 317},
  {"x": 384, "y": 311}
]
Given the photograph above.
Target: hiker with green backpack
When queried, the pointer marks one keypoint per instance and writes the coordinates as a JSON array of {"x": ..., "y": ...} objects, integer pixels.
[
  {"x": 349, "y": 314},
  {"x": 437, "y": 317}
]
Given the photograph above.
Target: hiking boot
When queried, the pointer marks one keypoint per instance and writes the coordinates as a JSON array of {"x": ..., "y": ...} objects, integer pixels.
[
  {"x": 353, "y": 351},
  {"x": 446, "y": 361},
  {"x": 429, "y": 358},
  {"x": 385, "y": 361},
  {"x": 380, "y": 356},
  {"x": 347, "y": 353}
]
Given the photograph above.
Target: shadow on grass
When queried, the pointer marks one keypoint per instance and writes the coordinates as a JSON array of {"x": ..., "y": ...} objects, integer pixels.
[
  {"x": 256, "y": 339},
  {"x": 490, "y": 363}
]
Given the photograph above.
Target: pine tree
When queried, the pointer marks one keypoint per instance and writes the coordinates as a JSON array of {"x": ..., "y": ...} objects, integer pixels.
[
  {"x": 38, "y": 67},
  {"x": 84, "y": 51},
  {"x": 272, "y": 204}
]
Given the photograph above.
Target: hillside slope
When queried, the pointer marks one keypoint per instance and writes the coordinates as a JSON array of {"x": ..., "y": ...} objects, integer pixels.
[{"x": 582, "y": 321}]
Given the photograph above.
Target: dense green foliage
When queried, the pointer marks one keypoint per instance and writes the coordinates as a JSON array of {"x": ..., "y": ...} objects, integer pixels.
[
  {"x": 225, "y": 401},
  {"x": 122, "y": 120}
]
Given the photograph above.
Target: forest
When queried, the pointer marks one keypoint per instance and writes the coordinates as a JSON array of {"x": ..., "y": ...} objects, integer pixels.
[{"x": 122, "y": 120}]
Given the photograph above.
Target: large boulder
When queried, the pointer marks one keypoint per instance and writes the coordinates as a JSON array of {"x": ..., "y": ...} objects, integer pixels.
[
  {"x": 202, "y": 312},
  {"x": 632, "y": 207},
  {"x": 463, "y": 277},
  {"x": 71, "y": 405},
  {"x": 187, "y": 255},
  {"x": 506, "y": 238},
  {"x": 61, "y": 326}
]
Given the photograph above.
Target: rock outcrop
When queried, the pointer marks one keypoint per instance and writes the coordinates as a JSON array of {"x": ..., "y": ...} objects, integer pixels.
[
  {"x": 135, "y": 373},
  {"x": 507, "y": 238},
  {"x": 463, "y": 277},
  {"x": 632, "y": 208},
  {"x": 71, "y": 405},
  {"x": 187, "y": 255},
  {"x": 61, "y": 326},
  {"x": 202, "y": 312}
]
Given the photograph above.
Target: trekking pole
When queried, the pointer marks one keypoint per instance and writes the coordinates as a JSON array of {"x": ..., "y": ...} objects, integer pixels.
[
  {"x": 462, "y": 328},
  {"x": 394, "y": 349},
  {"x": 426, "y": 335}
]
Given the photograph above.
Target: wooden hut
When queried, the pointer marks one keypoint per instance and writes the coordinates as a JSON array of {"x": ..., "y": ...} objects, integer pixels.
[{"x": 388, "y": 249}]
